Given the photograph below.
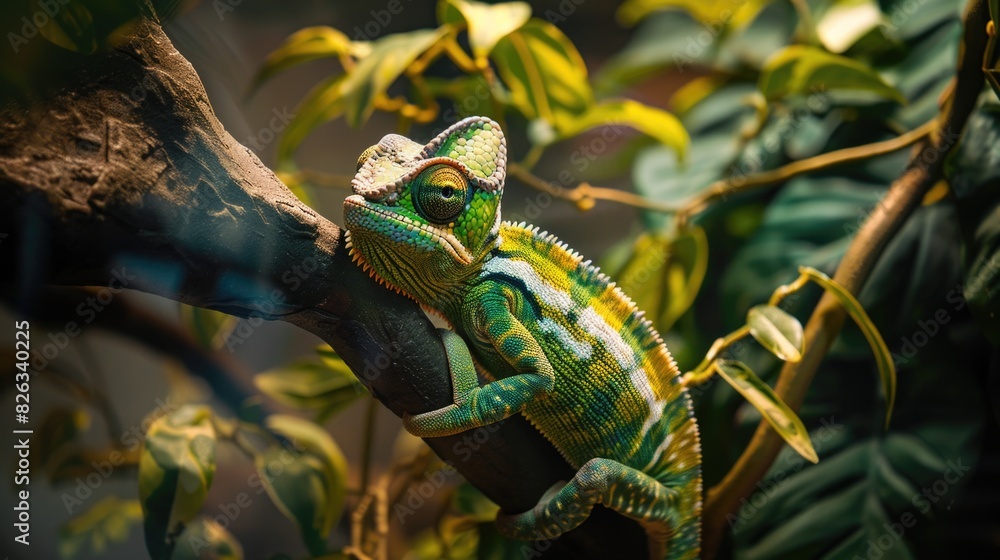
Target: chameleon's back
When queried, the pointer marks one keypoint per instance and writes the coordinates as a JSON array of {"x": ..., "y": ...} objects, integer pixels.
[{"x": 616, "y": 393}]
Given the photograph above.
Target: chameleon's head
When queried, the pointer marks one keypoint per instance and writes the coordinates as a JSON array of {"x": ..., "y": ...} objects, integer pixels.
[{"x": 423, "y": 217}]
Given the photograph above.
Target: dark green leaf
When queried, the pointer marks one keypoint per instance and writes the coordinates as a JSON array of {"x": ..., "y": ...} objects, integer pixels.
[
  {"x": 205, "y": 539},
  {"x": 71, "y": 27},
  {"x": 305, "y": 482},
  {"x": 328, "y": 385}
]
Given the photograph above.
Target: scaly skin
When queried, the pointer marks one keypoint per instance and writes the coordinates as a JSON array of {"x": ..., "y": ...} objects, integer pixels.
[{"x": 556, "y": 339}]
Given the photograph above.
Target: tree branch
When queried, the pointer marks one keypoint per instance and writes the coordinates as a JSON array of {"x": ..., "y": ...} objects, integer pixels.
[
  {"x": 922, "y": 171},
  {"x": 115, "y": 171}
]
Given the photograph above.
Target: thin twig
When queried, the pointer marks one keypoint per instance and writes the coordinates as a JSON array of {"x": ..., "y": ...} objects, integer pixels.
[
  {"x": 904, "y": 196},
  {"x": 369, "y": 437}
]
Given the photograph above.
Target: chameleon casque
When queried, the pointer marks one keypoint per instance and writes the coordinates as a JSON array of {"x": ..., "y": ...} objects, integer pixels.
[{"x": 555, "y": 339}]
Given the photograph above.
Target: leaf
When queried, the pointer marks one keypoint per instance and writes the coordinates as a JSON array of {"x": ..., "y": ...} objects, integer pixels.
[
  {"x": 305, "y": 482},
  {"x": 709, "y": 12},
  {"x": 109, "y": 521},
  {"x": 60, "y": 427},
  {"x": 545, "y": 73},
  {"x": 311, "y": 43},
  {"x": 695, "y": 91},
  {"x": 803, "y": 70},
  {"x": 777, "y": 331},
  {"x": 847, "y": 21},
  {"x": 663, "y": 276},
  {"x": 886, "y": 366},
  {"x": 651, "y": 121},
  {"x": 323, "y": 103},
  {"x": 175, "y": 472},
  {"x": 783, "y": 419},
  {"x": 487, "y": 23},
  {"x": 71, "y": 27},
  {"x": 372, "y": 76},
  {"x": 306, "y": 385},
  {"x": 205, "y": 539},
  {"x": 209, "y": 327}
]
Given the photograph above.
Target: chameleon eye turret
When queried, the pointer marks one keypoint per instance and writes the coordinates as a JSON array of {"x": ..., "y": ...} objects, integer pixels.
[
  {"x": 440, "y": 193},
  {"x": 559, "y": 342}
]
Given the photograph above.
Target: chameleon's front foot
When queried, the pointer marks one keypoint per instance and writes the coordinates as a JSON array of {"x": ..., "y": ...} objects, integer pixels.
[{"x": 476, "y": 410}]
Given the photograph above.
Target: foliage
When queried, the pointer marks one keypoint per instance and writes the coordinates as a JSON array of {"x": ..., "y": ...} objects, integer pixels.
[{"x": 777, "y": 82}]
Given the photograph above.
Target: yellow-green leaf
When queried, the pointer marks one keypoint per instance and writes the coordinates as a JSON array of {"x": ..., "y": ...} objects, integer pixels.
[
  {"x": 717, "y": 13},
  {"x": 487, "y": 23},
  {"x": 847, "y": 21},
  {"x": 696, "y": 90},
  {"x": 776, "y": 331},
  {"x": 663, "y": 276},
  {"x": 387, "y": 60},
  {"x": 209, "y": 327},
  {"x": 60, "y": 428},
  {"x": 205, "y": 539},
  {"x": 305, "y": 482},
  {"x": 71, "y": 27},
  {"x": 311, "y": 43},
  {"x": 803, "y": 70},
  {"x": 544, "y": 72},
  {"x": 782, "y": 418},
  {"x": 886, "y": 367},
  {"x": 106, "y": 522},
  {"x": 657, "y": 123},
  {"x": 323, "y": 103},
  {"x": 175, "y": 472},
  {"x": 328, "y": 385}
]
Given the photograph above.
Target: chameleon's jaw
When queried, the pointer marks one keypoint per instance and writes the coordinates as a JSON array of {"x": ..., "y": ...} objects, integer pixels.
[{"x": 366, "y": 219}]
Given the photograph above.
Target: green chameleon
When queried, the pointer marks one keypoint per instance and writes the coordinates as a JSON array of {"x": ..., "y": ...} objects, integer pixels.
[{"x": 557, "y": 341}]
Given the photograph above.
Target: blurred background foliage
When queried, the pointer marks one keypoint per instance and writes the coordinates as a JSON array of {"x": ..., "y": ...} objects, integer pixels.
[{"x": 672, "y": 106}]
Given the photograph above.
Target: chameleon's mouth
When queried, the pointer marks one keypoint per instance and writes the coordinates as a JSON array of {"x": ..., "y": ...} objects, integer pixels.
[{"x": 358, "y": 211}]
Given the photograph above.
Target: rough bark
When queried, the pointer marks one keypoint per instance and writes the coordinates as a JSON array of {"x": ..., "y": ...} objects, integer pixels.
[{"x": 116, "y": 166}]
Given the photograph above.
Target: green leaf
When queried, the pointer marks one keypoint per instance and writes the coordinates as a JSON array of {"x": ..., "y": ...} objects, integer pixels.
[
  {"x": 651, "y": 121},
  {"x": 71, "y": 27},
  {"x": 209, "y": 327},
  {"x": 544, "y": 72},
  {"x": 328, "y": 386},
  {"x": 802, "y": 70},
  {"x": 783, "y": 419},
  {"x": 305, "y": 482},
  {"x": 777, "y": 331},
  {"x": 323, "y": 103},
  {"x": 709, "y": 12},
  {"x": 205, "y": 539},
  {"x": 372, "y": 76},
  {"x": 487, "y": 23},
  {"x": 106, "y": 522},
  {"x": 311, "y": 43},
  {"x": 175, "y": 472},
  {"x": 886, "y": 366}
]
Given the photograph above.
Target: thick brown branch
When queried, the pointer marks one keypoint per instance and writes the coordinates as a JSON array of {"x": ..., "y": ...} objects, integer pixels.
[
  {"x": 118, "y": 168},
  {"x": 922, "y": 172}
]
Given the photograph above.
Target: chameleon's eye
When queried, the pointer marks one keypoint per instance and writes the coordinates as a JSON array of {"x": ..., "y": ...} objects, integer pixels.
[
  {"x": 365, "y": 155},
  {"x": 440, "y": 193}
]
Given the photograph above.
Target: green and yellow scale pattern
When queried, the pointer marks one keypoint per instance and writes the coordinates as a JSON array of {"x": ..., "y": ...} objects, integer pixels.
[{"x": 559, "y": 342}]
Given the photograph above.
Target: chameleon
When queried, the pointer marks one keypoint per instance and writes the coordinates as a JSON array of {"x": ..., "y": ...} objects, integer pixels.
[{"x": 551, "y": 336}]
